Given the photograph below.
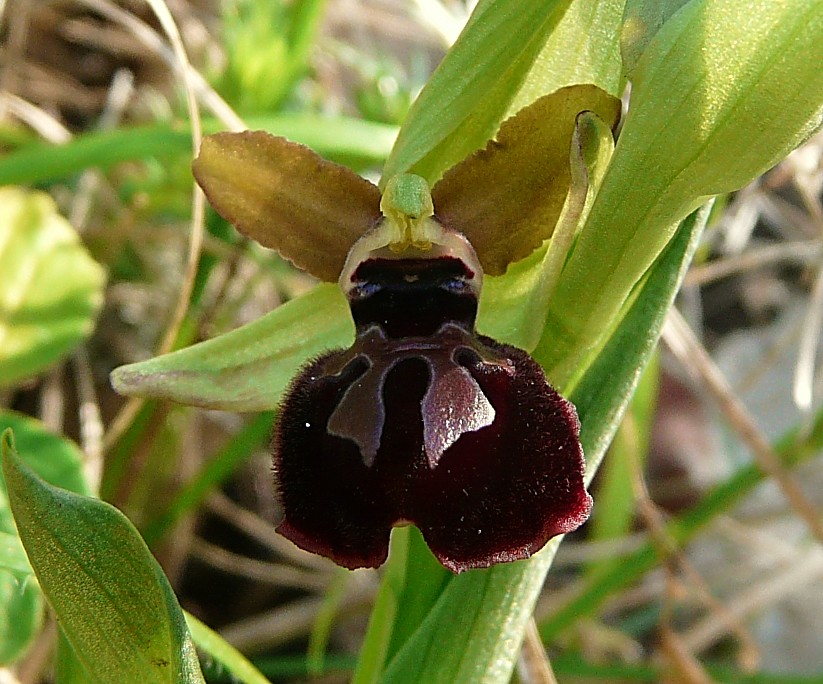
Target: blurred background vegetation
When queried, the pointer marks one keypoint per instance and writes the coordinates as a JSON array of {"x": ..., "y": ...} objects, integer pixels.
[{"x": 92, "y": 112}]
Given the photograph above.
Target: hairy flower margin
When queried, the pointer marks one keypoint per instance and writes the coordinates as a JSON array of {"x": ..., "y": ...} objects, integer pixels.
[{"x": 421, "y": 420}]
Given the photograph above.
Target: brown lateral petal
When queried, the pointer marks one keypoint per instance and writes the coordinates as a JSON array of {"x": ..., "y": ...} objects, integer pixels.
[
  {"x": 506, "y": 198},
  {"x": 287, "y": 197},
  {"x": 497, "y": 493}
]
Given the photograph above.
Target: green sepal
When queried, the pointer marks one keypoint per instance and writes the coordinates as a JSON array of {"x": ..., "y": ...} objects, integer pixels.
[{"x": 248, "y": 368}]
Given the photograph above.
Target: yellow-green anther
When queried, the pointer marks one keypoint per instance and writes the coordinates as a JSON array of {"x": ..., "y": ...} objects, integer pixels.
[{"x": 407, "y": 204}]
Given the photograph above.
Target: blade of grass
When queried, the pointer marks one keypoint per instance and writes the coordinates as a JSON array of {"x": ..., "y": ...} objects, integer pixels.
[
  {"x": 338, "y": 138},
  {"x": 613, "y": 516},
  {"x": 219, "y": 467},
  {"x": 792, "y": 449},
  {"x": 221, "y": 651},
  {"x": 280, "y": 668},
  {"x": 574, "y": 665}
]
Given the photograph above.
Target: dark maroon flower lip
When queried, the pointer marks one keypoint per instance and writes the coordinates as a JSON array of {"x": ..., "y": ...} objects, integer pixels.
[{"x": 442, "y": 428}]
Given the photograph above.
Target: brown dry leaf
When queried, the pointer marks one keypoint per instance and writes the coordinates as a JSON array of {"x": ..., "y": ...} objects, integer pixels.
[
  {"x": 287, "y": 197},
  {"x": 506, "y": 198}
]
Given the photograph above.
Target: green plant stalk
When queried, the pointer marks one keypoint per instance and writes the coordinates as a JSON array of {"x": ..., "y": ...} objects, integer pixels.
[
  {"x": 375, "y": 646},
  {"x": 419, "y": 595}
]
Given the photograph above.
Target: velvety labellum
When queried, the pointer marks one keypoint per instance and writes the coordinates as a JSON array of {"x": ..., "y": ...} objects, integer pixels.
[{"x": 424, "y": 421}]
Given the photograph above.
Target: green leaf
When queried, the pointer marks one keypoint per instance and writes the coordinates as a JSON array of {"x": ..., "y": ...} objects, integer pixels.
[
  {"x": 248, "y": 368},
  {"x": 50, "y": 288},
  {"x": 473, "y": 87},
  {"x": 615, "y": 512},
  {"x": 583, "y": 48},
  {"x": 58, "y": 461},
  {"x": 20, "y": 617},
  {"x": 13, "y": 556},
  {"x": 474, "y": 630},
  {"x": 412, "y": 581},
  {"x": 428, "y": 579},
  {"x": 55, "y": 459},
  {"x": 642, "y": 19},
  {"x": 716, "y": 101},
  {"x": 110, "y": 596}
]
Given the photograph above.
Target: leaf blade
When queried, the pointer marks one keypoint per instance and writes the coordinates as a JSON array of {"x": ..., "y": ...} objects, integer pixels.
[
  {"x": 113, "y": 601},
  {"x": 50, "y": 287},
  {"x": 715, "y": 102},
  {"x": 21, "y": 601}
]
